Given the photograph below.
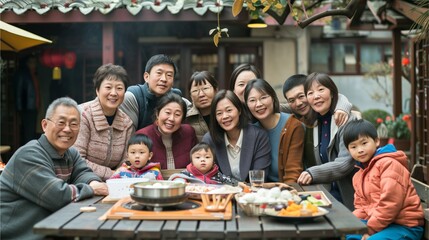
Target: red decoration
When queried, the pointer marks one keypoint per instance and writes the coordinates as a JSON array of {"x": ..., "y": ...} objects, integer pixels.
[
  {"x": 57, "y": 58},
  {"x": 405, "y": 61},
  {"x": 52, "y": 58},
  {"x": 45, "y": 58},
  {"x": 69, "y": 59}
]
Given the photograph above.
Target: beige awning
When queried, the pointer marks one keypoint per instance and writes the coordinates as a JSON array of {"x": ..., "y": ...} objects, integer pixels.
[{"x": 17, "y": 39}]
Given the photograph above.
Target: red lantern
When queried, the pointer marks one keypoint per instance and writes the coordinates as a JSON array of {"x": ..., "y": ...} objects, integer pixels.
[
  {"x": 52, "y": 58},
  {"x": 69, "y": 59},
  {"x": 45, "y": 58},
  {"x": 57, "y": 58}
]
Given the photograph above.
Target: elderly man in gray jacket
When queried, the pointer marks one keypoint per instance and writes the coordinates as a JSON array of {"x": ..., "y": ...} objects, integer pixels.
[{"x": 45, "y": 174}]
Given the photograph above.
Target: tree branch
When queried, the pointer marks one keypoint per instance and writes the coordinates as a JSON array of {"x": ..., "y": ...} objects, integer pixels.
[{"x": 349, "y": 11}]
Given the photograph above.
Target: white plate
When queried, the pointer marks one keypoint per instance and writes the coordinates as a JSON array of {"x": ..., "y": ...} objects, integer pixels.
[
  {"x": 274, "y": 213},
  {"x": 194, "y": 190}
]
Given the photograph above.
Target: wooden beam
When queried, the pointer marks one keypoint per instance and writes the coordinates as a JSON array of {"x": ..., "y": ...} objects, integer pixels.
[
  {"x": 108, "y": 43},
  {"x": 407, "y": 9},
  {"x": 399, "y": 22},
  {"x": 413, "y": 105},
  {"x": 397, "y": 72}
]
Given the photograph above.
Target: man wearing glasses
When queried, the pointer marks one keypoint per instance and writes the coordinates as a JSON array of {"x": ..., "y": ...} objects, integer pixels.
[{"x": 45, "y": 174}]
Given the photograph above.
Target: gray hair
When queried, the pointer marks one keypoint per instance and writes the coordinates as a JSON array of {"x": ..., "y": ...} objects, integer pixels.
[{"x": 64, "y": 101}]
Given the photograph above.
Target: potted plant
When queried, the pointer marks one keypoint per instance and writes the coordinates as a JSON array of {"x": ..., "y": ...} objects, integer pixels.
[
  {"x": 398, "y": 129},
  {"x": 376, "y": 117}
]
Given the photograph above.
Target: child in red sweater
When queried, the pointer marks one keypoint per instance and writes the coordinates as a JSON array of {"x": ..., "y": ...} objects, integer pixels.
[{"x": 203, "y": 168}]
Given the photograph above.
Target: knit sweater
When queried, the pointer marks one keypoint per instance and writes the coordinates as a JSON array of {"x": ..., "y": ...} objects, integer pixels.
[
  {"x": 103, "y": 146},
  {"x": 36, "y": 182},
  {"x": 340, "y": 166},
  {"x": 150, "y": 171}
]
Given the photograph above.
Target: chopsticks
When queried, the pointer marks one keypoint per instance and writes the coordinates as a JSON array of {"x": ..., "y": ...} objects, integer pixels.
[{"x": 216, "y": 202}]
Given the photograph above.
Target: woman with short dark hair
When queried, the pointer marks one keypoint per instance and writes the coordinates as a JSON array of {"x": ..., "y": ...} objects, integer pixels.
[
  {"x": 335, "y": 164},
  {"x": 105, "y": 129},
  {"x": 202, "y": 88}
]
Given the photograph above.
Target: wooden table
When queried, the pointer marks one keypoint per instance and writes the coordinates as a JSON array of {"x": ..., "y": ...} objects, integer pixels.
[{"x": 68, "y": 221}]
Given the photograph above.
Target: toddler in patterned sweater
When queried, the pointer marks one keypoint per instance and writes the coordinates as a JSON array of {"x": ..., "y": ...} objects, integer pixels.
[{"x": 139, "y": 151}]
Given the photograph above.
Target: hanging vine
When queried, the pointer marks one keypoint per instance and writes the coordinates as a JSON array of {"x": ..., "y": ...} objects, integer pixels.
[{"x": 218, "y": 30}]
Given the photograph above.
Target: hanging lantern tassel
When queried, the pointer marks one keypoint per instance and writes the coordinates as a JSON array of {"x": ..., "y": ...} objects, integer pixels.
[{"x": 56, "y": 73}]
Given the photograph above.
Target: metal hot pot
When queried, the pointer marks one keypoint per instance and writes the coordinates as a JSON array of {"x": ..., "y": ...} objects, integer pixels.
[{"x": 159, "y": 193}]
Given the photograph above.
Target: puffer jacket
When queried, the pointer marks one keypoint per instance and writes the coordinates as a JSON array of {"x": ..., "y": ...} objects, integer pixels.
[{"x": 384, "y": 193}]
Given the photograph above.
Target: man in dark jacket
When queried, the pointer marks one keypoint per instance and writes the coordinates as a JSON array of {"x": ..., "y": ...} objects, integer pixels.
[{"x": 141, "y": 99}]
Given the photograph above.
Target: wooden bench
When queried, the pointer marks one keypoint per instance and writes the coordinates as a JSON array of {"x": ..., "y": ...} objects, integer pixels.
[{"x": 422, "y": 190}]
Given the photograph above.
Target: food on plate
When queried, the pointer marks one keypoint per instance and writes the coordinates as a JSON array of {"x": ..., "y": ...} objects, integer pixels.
[
  {"x": 215, "y": 189},
  {"x": 299, "y": 210},
  {"x": 200, "y": 188},
  {"x": 270, "y": 196},
  {"x": 315, "y": 198},
  {"x": 318, "y": 196},
  {"x": 246, "y": 189}
]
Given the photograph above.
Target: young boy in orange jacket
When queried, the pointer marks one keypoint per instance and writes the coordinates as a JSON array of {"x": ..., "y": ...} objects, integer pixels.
[{"x": 385, "y": 198}]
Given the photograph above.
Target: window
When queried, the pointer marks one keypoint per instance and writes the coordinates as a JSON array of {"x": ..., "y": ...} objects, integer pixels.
[
  {"x": 190, "y": 57},
  {"x": 201, "y": 62},
  {"x": 370, "y": 54},
  {"x": 347, "y": 56},
  {"x": 239, "y": 58},
  {"x": 344, "y": 58},
  {"x": 319, "y": 57}
]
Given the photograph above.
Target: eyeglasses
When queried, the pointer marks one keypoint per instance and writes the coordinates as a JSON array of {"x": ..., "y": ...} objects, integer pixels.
[
  {"x": 205, "y": 90},
  {"x": 263, "y": 99},
  {"x": 62, "y": 124}
]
